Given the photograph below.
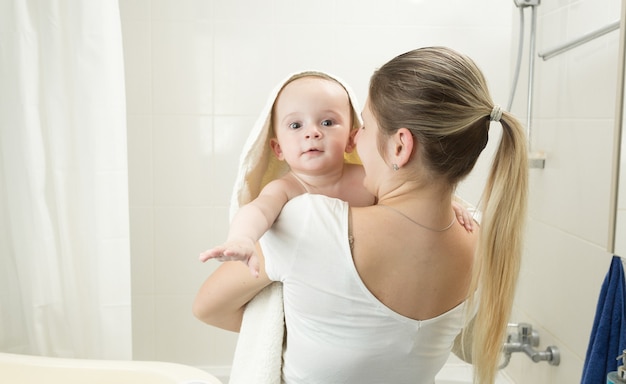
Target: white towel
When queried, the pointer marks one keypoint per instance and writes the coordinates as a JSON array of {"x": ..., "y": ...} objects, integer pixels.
[{"x": 258, "y": 356}]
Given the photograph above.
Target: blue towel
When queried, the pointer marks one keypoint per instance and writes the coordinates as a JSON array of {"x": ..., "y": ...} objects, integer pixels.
[{"x": 608, "y": 335}]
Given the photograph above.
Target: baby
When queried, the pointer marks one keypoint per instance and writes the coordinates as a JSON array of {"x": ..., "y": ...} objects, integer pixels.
[{"x": 313, "y": 127}]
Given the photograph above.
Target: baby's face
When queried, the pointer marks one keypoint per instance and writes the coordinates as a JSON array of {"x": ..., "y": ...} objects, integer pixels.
[{"x": 312, "y": 121}]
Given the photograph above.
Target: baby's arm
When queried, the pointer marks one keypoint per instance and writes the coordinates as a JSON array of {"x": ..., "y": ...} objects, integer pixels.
[{"x": 250, "y": 223}]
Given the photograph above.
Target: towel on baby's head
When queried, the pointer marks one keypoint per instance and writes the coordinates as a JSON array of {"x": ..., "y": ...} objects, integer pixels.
[{"x": 258, "y": 356}]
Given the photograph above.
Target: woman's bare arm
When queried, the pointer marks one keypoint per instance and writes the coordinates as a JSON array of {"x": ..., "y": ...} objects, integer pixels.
[{"x": 224, "y": 294}]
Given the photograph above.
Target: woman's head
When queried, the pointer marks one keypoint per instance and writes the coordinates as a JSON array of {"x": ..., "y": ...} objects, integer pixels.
[{"x": 442, "y": 98}]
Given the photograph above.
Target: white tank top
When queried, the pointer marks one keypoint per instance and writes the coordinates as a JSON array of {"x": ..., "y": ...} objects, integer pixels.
[{"x": 337, "y": 330}]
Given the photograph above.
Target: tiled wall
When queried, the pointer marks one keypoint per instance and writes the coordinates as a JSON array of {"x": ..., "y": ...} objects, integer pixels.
[
  {"x": 198, "y": 72},
  {"x": 566, "y": 255}
]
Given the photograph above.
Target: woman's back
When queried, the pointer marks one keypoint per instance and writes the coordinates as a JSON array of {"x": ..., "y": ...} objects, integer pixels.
[
  {"x": 338, "y": 331},
  {"x": 415, "y": 271}
]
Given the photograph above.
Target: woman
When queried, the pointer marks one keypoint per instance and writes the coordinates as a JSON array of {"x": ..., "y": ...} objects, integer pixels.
[{"x": 379, "y": 293}]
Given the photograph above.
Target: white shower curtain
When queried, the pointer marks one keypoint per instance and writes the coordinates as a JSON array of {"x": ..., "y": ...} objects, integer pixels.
[{"x": 64, "y": 232}]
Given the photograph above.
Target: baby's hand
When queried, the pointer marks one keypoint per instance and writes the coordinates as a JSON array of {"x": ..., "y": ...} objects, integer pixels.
[
  {"x": 243, "y": 250},
  {"x": 463, "y": 216}
]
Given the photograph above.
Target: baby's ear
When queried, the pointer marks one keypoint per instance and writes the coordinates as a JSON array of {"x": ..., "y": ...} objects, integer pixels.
[
  {"x": 276, "y": 148},
  {"x": 351, "y": 142}
]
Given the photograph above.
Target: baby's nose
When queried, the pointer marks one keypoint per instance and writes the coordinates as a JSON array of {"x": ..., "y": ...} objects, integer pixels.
[{"x": 313, "y": 133}]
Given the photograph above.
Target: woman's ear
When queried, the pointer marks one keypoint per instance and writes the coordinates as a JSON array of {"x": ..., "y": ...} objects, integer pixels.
[
  {"x": 403, "y": 144},
  {"x": 276, "y": 148}
]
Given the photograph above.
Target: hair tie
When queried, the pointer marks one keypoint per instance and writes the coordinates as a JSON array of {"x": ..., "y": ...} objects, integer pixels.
[{"x": 496, "y": 113}]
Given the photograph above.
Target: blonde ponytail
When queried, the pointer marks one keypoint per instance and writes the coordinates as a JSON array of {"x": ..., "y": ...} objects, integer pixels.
[{"x": 499, "y": 248}]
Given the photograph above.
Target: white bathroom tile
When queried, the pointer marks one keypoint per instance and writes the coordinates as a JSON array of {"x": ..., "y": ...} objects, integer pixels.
[
  {"x": 554, "y": 6},
  {"x": 137, "y": 66},
  {"x": 182, "y": 10},
  {"x": 142, "y": 250},
  {"x": 592, "y": 75},
  {"x": 569, "y": 370},
  {"x": 546, "y": 283},
  {"x": 181, "y": 233},
  {"x": 182, "y": 154},
  {"x": 185, "y": 339},
  {"x": 311, "y": 15},
  {"x": 362, "y": 49},
  {"x": 613, "y": 9},
  {"x": 551, "y": 28},
  {"x": 222, "y": 344},
  {"x": 450, "y": 13},
  {"x": 245, "y": 11},
  {"x": 379, "y": 45},
  {"x": 550, "y": 79},
  {"x": 218, "y": 225},
  {"x": 140, "y": 161},
  {"x": 230, "y": 134},
  {"x": 571, "y": 192},
  {"x": 182, "y": 67},
  {"x": 575, "y": 83},
  {"x": 297, "y": 48},
  {"x": 243, "y": 59},
  {"x": 144, "y": 328},
  {"x": 371, "y": 13},
  {"x": 422, "y": 13},
  {"x": 584, "y": 17}
]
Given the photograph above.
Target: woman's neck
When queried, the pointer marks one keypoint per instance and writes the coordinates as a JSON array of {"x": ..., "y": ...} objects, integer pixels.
[{"x": 430, "y": 202}]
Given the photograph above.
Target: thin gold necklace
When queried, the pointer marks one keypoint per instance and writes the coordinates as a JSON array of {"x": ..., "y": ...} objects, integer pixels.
[{"x": 421, "y": 225}]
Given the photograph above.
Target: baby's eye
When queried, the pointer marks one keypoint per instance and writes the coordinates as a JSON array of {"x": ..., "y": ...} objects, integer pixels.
[
  {"x": 327, "y": 123},
  {"x": 295, "y": 125}
]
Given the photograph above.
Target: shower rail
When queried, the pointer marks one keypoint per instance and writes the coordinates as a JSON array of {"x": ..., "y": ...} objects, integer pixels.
[{"x": 581, "y": 40}]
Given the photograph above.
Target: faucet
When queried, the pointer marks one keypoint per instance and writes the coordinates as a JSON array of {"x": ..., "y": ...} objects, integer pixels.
[{"x": 525, "y": 340}]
